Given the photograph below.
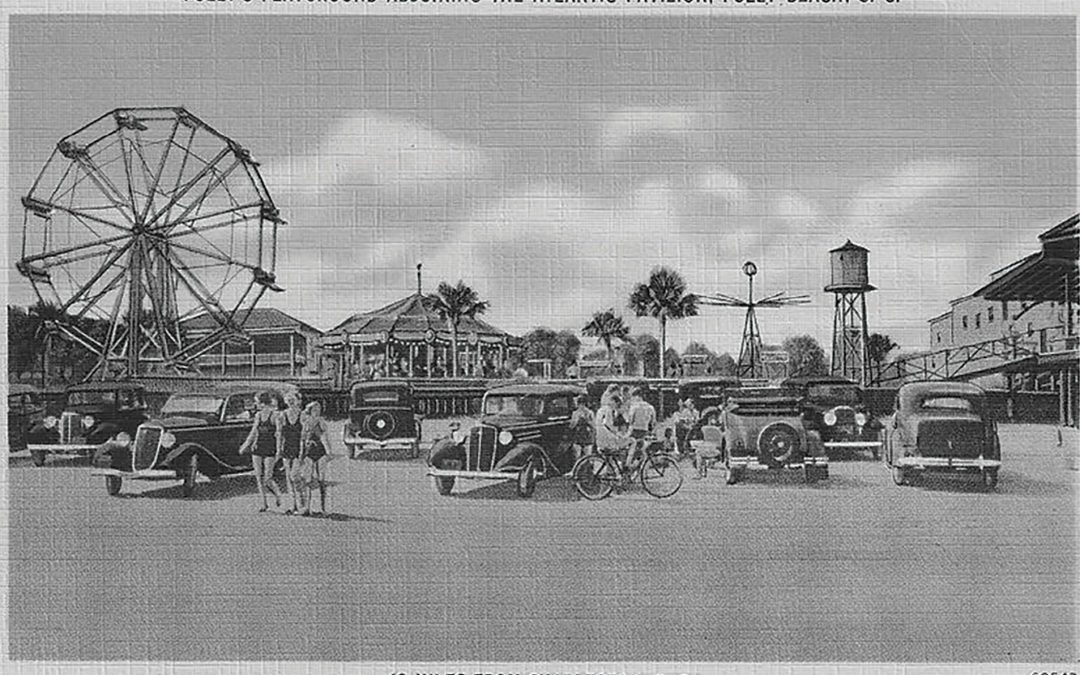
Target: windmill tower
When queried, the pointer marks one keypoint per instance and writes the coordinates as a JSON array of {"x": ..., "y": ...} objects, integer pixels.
[
  {"x": 751, "y": 364},
  {"x": 850, "y": 283}
]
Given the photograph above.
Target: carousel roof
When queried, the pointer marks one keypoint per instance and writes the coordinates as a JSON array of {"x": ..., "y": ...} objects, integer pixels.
[{"x": 413, "y": 318}]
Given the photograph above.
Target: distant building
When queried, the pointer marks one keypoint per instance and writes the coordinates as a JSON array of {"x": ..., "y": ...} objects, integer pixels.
[
  {"x": 973, "y": 319},
  {"x": 281, "y": 346}
]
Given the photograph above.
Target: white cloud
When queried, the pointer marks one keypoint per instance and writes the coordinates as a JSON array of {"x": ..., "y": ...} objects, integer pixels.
[
  {"x": 375, "y": 150},
  {"x": 622, "y": 128},
  {"x": 910, "y": 188}
]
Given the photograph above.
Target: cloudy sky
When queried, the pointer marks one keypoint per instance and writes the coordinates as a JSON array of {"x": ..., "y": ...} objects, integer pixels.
[{"x": 552, "y": 162}]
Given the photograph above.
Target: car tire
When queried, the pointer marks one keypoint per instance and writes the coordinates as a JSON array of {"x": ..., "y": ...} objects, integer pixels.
[
  {"x": 112, "y": 485},
  {"x": 989, "y": 478},
  {"x": 899, "y": 476},
  {"x": 732, "y": 475},
  {"x": 444, "y": 484},
  {"x": 809, "y": 474},
  {"x": 526, "y": 482},
  {"x": 38, "y": 457},
  {"x": 191, "y": 472}
]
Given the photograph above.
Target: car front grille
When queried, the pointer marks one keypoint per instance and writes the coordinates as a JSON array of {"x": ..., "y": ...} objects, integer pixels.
[
  {"x": 70, "y": 427},
  {"x": 959, "y": 439},
  {"x": 480, "y": 455},
  {"x": 145, "y": 450}
]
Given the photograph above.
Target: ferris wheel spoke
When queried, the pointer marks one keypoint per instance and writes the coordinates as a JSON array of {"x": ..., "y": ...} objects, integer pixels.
[
  {"x": 155, "y": 184},
  {"x": 216, "y": 180},
  {"x": 73, "y": 249},
  {"x": 181, "y": 192},
  {"x": 215, "y": 256},
  {"x": 109, "y": 262},
  {"x": 114, "y": 283},
  {"x": 200, "y": 293},
  {"x": 98, "y": 177}
]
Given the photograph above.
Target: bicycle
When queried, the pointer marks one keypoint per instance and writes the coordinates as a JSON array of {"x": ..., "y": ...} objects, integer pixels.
[{"x": 598, "y": 473}]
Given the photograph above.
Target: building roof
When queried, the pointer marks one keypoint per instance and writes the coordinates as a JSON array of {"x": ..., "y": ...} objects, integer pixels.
[
  {"x": 412, "y": 318},
  {"x": 849, "y": 246},
  {"x": 261, "y": 319},
  {"x": 1050, "y": 275}
]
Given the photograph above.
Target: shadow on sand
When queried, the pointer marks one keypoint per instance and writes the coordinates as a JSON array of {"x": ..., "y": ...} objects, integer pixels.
[
  {"x": 1009, "y": 483},
  {"x": 558, "y": 489}
]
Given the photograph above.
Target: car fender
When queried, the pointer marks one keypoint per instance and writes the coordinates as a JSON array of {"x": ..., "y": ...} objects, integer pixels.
[
  {"x": 183, "y": 451},
  {"x": 111, "y": 455},
  {"x": 444, "y": 449},
  {"x": 521, "y": 452}
]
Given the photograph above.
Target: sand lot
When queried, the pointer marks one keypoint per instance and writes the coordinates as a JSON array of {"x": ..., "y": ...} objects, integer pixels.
[{"x": 850, "y": 569}]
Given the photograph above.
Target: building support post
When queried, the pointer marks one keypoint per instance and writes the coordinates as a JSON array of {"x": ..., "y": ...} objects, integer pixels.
[{"x": 292, "y": 355}]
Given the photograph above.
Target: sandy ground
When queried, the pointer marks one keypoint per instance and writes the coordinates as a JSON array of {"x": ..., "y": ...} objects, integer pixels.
[{"x": 850, "y": 569}]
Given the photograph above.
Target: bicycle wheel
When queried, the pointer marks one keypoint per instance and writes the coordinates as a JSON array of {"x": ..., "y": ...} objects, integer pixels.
[
  {"x": 660, "y": 476},
  {"x": 594, "y": 476}
]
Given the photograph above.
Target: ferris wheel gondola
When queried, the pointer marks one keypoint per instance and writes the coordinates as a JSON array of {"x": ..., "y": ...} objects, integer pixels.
[{"x": 139, "y": 220}]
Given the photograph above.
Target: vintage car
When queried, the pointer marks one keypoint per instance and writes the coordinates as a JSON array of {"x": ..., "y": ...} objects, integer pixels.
[
  {"x": 523, "y": 434},
  {"x": 707, "y": 391},
  {"x": 941, "y": 427},
  {"x": 764, "y": 430},
  {"x": 834, "y": 407},
  {"x": 25, "y": 409},
  {"x": 93, "y": 413},
  {"x": 382, "y": 417},
  {"x": 195, "y": 433}
]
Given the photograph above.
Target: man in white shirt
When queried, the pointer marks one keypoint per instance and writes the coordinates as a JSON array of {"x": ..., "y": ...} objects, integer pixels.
[{"x": 642, "y": 423}]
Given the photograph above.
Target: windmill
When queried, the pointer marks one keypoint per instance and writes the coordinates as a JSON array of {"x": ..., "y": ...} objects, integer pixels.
[{"x": 750, "y": 363}]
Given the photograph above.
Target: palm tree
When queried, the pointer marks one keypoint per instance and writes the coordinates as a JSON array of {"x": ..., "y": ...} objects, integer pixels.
[
  {"x": 606, "y": 326},
  {"x": 454, "y": 303},
  {"x": 664, "y": 298}
]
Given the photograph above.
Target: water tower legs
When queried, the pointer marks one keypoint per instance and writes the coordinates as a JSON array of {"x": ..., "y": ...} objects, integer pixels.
[{"x": 850, "y": 356}]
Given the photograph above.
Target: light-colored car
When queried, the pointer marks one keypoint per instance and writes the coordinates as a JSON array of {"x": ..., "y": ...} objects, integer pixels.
[{"x": 764, "y": 431}]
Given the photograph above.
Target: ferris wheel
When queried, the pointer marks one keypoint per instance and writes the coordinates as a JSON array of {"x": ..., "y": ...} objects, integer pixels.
[{"x": 140, "y": 220}]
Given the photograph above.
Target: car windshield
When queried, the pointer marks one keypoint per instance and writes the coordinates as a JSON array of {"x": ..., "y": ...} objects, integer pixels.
[
  {"x": 377, "y": 397},
  {"x": 91, "y": 397},
  {"x": 843, "y": 393},
  {"x": 947, "y": 403},
  {"x": 518, "y": 404},
  {"x": 192, "y": 404}
]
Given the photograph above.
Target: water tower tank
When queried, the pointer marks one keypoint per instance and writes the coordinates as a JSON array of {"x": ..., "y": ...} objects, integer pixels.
[{"x": 849, "y": 269}]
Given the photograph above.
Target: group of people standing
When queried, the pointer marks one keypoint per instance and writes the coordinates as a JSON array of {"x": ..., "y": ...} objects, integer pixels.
[
  {"x": 623, "y": 419},
  {"x": 297, "y": 438}
]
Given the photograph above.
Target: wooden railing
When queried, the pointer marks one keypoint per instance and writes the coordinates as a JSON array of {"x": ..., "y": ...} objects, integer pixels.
[{"x": 974, "y": 359}]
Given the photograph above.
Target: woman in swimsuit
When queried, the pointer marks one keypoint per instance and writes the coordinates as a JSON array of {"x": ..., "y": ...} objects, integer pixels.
[
  {"x": 263, "y": 445},
  {"x": 288, "y": 443},
  {"x": 313, "y": 448}
]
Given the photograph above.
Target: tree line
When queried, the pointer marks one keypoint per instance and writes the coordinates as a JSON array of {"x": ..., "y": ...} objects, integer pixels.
[{"x": 662, "y": 297}]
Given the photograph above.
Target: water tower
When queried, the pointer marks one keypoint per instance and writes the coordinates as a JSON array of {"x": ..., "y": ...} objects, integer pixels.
[{"x": 850, "y": 283}]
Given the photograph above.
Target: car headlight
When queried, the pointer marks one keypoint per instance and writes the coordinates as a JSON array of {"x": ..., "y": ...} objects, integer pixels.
[
  {"x": 505, "y": 438},
  {"x": 167, "y": 440},
  {"x": 860, "y": 419},
  {"x": 50, "y": 422},
  {"x": 88, "y": 421},
  {"x": 123, "y": 439},
  {"x": 829, "y": 418},
  {"x": 458, "y": 435}
]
